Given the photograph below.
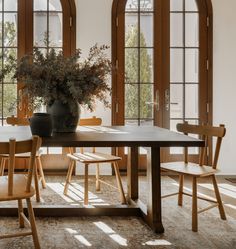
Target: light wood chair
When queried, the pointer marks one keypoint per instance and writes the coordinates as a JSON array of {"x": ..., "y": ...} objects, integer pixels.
[
  {"x": 93, "y": 157},
  {"x": 38, "y": 174},
  {"x": 200, "y": 170},
  {"x": 17, "y": 187}
]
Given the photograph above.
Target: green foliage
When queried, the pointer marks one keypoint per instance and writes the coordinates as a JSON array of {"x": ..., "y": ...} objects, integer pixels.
[
  {"x": 136, "y": 94},
  {"x": 51, "y": 76},
  {"x": 8, "y": 56}
]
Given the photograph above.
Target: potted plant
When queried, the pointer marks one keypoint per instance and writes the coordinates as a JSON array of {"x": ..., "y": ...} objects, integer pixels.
[{"x": 63, "y": 84}]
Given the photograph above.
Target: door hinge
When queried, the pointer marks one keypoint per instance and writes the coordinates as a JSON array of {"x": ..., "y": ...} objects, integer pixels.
[
  {"x": 117, "y": 22},
  {"x": 207, "y": 65},
  {"x": 208, "y": 21},
  {"x": 207, "y": 108},
  {"x": 117, "y": 107},
  {"x": 117, "y": 64},
  {"x": 71, "y": 21}
]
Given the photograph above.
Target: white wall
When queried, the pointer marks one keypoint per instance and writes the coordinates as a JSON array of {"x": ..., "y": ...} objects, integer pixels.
[
  {"x": 94, "y": 25},
  {"x": 224, "y": 81}
]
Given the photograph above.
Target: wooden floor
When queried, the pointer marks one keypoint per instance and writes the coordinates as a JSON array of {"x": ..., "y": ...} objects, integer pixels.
[{"x": 131, "y": 232}]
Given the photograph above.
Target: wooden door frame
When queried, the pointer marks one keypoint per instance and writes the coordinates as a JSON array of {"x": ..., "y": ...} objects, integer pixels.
[{"x": 162, "y": 62}]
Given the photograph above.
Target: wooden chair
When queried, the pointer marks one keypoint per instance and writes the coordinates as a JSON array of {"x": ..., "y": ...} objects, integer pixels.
[
  {"x": 200, "y": 170},
  {"x": 93, "y": 157},
  {"x": 16, "y": 187},
  {"x": 38, "y": 174}
]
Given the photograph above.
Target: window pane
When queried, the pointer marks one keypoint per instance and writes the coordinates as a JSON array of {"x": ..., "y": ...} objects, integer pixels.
[
  {"x": 9, "y": 100},
  {"x": 131, "y": 65},
  {"x": 131, "y": 101},
  {"x": 175, "y": 150},
  {"x": 191, "y": 5},
  {"x": 10, "y": 5},
  {"x": 193, "y": 150},
  {"x": 7, "y": 53},
  {"x": 192, "y": 61},
  {"x": 145, "y": 5},
  {"x": 55, "y": 29},
  {"x": 146, "y": 65},
  {"x": 176, "y": 30},
  {"x": 146, "y": 30},
  {"x": 10, "y": 29},
  {"x": 131, "y": 5},
  {"x": 176, "y": 100},
  {"x": 0, "y": 5},
  {"x": 55, "y": 5},
  {"x": 1, "y": 42},
  {"x": 176, "y": 65},
  {"x": 176, "y": 5},
  {"x": 40, "y": 5},
  {"x": 131, "y": 30},
  {"x": 146, "y": 97},
  {"x": 146, "y": 123},
  {"x": 131, "y": 122},
  {"x": 191, "y": 101},
  {"x": 40, "y": 28},
  {"x": 192, "y": 30}
]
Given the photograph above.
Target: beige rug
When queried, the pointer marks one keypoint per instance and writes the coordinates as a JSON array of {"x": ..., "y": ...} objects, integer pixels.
[{"x": 126, "y": 232}]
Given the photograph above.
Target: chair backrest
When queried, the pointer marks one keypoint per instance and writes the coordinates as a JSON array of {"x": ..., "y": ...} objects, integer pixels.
[
  {"x": 90, "y": 122},
  {"x": 17, "y": 121},
  {"x": 17, "y": 147},
  {"x": 205, "y": 132}
]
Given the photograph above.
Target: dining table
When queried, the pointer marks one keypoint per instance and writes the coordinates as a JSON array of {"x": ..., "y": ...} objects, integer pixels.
[{"x": 153, "y": 138}]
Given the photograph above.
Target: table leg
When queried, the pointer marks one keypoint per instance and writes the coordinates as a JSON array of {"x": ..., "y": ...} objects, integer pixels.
[
  {"x": 132, "y": 173},
  {"x": 153, "y": 217}
]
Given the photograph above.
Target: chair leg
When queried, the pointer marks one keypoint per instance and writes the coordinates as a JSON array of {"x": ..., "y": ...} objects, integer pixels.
[
  {"x": 180, "y": 195},
  {"x": 217, "y": 193},
  {"x": 20, "y": 210},
  {"x": 40, "y": 168},
  {"x": 86, "y": 184},
  {"x": 194, "y": 206},
  {"x": 68, "y": 176},
  {"x": 119, "y": 182},
  {"x": 36, "y": 184},
  {"x": 32, "y": 223},
  {"x": 2, "y": 166},
  {"x": 98, "y": 187}
]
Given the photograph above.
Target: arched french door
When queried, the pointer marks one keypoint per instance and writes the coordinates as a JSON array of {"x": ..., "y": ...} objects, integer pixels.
[
  {"x": 162, "y": 52},
  {"x": 25, "y": 24}
]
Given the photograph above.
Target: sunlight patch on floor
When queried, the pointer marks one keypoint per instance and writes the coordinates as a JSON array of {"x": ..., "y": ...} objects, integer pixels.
[
  {"x": 75, "y": 195},
  {"x": 112, "y": 234},
  {"x": 157, "y": 242},
  {"x": 79, "y": 237}
]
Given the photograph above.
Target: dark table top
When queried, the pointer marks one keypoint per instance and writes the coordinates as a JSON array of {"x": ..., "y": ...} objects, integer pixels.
[{"x": 107, "y": 136}]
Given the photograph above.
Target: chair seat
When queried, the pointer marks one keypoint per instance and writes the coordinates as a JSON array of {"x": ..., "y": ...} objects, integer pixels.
[
  {"x": 96, "y": 157},
  {"x": 18, "y": 188},
  {"x": 189, "y": 169}
]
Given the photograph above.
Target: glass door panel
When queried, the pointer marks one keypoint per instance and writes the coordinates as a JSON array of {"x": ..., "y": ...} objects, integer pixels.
[{"x": 184, "y": 67}]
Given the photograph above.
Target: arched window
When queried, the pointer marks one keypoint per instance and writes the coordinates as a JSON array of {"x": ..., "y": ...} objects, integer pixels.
[
  {"x": 162, "y": 50},
  {"x": 25, "y": 24}
]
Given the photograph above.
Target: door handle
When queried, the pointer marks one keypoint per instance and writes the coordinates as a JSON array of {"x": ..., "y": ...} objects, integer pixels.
[
  {"x": 167, "y": 100},
  {"x": 154, "y": 103}
]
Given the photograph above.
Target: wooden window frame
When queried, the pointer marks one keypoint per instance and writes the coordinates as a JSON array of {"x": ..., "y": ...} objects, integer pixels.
[{"x": 25, "y": 37}]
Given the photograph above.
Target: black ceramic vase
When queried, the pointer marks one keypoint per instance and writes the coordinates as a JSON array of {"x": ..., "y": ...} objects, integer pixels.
[
  {"x": 65, "y": 116},
  {"x": 41, "y": 124}
]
